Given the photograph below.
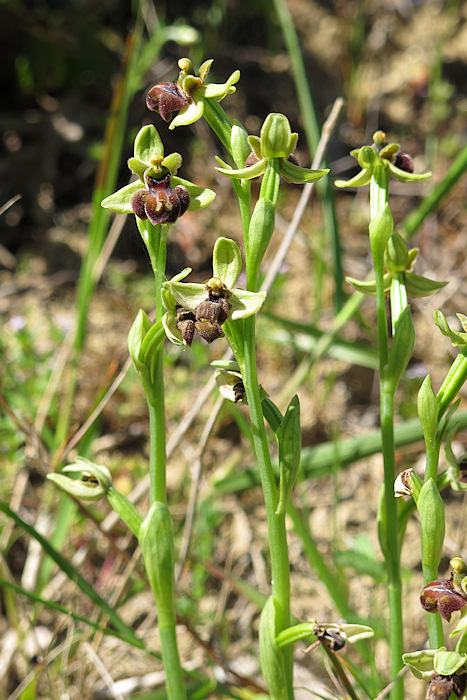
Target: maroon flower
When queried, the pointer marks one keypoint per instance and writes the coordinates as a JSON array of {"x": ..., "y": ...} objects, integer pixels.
[
  {"x": 160, "y": 203},
  {"x": 404, "y": 162},
  {"x": 441, "y": 596},
  {"x": 166, "y": 98}
]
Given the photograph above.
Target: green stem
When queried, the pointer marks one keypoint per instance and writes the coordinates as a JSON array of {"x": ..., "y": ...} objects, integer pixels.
[
  {"x": 280, "y": 571},
  {"x": 173, "y": 670},
  {"x": 379, "y": 189},
  {"x": 455, "y": 379}
]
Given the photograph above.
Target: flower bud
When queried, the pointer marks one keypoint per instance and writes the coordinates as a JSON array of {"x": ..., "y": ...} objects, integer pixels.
[{"x": 94, "y": 483}]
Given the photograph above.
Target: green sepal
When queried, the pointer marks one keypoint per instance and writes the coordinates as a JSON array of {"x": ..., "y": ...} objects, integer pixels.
[
  {"x": 369, "y": 288},
  {"x": 390, "y": 151},
  {"x": 188, "y": 115},
  {"x": 276, "y": 137},
  {"x": 404, "y": 176},
  {"x": 421, "y": 663},
  {"x": 461, "y": 626},
  {"x": 401, "y": 351},
  {"x": 289, "y": 437},
  {"x": 359, "y": 180},
  {"x": 85, "y": 489},
  {"x": 350, "y": 632},
  {"x": 271, "y": 657},
  {"x": 461, "y": 645},
  {"x": 432, "y": 523},
  {"x": 259, "y": 233},
  {"x": 446, "y": 663},
  {"x": 459, "y": 339},
  {"x": 125, "y": 510},
  {"x": 381, "y": 228},
  {"x": 120, "y": 201},
  {"x": 297, "y": 175},
  {"x": 368, "y": 158},
  {"x": 226, "y": 261},
  {"x": 156, "y": 542},
  {"x": 249, "y": 173},
  {"x": 148, "y": 145},
  {"x": 418, "y": 286},
  {"x": 200, "y": 197},
  {"x": 428, "y": 410}
]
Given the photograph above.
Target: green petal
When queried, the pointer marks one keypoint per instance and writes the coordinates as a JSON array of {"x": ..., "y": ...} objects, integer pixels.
[
  {"x": 218, "y": 91},
  {"x": 404, "y": 176},
  {"x": 245, "y": 173},
  {"x": 421, "y": 663},
  {"x": 245, "y": 303},
  {"x": 200, "y": 197},
  {"x": 297, "y": 175},
  {"x": 359, "y": 180},
  {"x": 418, "y": 287},
  {"x": 187, "y": 294},
  {"x": 137, "y": 167},
  {"x": 172, "y": 162},
  {"x": 188, "y": 115},
  {"x": 204, "y": 69},
  {"x": 120, "y": 201},
  {"x": 148, "y": 144}
]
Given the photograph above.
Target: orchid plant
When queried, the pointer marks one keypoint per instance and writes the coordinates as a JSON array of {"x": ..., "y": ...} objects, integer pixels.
[{"x": 217, "y": 308}]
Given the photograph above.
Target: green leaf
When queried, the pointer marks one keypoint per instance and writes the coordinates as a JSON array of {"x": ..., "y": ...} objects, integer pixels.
[
  {"x": 156, "y": 542},
  {"x": 432, "y": 523},
  {"x": 289, "y": 437},
  {"x": 74, "y": 575},
  {"x": 401, "y": 350},
  {"x": 381, "y": 228},
  {"x": 239, "y": 144},
  {"x": 271, "y": 657},
  {"x": 260, "y": 231},
  {"x": 428, "y": 409}
]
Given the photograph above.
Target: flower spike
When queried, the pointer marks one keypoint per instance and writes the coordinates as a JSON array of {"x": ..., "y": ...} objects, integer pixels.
[{"x": 382, "y": 154}]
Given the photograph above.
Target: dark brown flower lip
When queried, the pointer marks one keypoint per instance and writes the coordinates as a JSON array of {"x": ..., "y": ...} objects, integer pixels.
[
  {"x": 441, "y": 596},
  {"x": 166, "y": 98},
  {"x": 160, "y": 203}
]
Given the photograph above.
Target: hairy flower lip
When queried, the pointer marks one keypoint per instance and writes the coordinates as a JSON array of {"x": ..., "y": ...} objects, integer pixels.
[{"x": 441, "y": 596}]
